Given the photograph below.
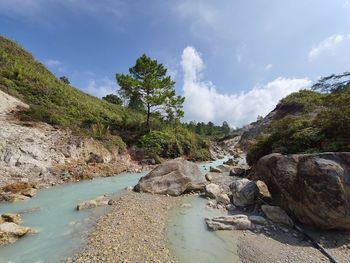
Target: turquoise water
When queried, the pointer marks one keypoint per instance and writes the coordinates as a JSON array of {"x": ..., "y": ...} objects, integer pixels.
[
  {"x": 190, "y": 241},
  {"x": 61, "y": 229}
]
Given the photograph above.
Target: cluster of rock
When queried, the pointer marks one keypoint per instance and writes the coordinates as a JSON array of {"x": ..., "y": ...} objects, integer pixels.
[
  {"x": 10, "y": 228},
  {"x": 17, "y": 192},
  {"x": 244, "y": 193}
]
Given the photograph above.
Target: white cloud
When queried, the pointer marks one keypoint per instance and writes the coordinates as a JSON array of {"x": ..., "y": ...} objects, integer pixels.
[
  {"x": 101, "y": 87},
  {"x": 268, "y": 67},
  {"x": 204, "y": 103},
  {"x": 53, "y": 63},
  {"x": 329, "y": 45},
  {"x": 346, "y": 4}
]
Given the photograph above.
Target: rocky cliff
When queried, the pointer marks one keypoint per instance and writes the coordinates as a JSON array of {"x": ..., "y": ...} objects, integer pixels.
[{"x": 41, "y": 154}]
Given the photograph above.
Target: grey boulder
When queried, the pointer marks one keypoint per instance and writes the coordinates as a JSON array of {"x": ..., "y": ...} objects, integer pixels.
[{"x": 173, "y": 177}]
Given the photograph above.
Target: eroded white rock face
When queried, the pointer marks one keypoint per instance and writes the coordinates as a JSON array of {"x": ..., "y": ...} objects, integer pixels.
[{"x": 31, "y": 151}]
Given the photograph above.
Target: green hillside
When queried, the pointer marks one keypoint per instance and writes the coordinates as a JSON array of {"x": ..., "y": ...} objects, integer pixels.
[
  {"x": 322, "y": 125},
  {"x": 55, "y": 102}
]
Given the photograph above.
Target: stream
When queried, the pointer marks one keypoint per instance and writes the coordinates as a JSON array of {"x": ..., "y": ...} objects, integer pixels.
[{"x": 61, "y": 230}]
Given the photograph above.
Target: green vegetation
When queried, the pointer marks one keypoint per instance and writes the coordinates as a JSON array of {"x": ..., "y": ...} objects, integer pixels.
[
  {"x": 209, "y": 129},
  {"x": 65, "y": 80},
  {"x": 114, "y": 99},
  {"x": 176, "y": 142},
  {"x": 54, "y": 101},
  {"x": 323, "y": 125},
  {"x": 148, "y": 84}
]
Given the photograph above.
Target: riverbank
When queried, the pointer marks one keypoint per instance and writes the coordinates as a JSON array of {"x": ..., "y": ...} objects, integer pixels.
[{"x": 134, "y": 230}]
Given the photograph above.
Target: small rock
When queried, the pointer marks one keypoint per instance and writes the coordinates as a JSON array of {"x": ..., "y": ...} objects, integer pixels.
[
  {"x": 214, "y": 170},
  {"x": 231, "y": 207},
  {"x": 208, "y": 177},
  {"x": 223, "y": 199},
  {"x": 11, "y": 218},
  {"x": 186, "y": 205},
  {"x": 235, "y": 222},
  {"x": 259, "y": 220},
  {"x": 212, "y": 190},
  {"x": 224, "y": 168}
]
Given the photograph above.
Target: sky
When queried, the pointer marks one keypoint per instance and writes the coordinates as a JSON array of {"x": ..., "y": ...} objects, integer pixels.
[{"x": 232, "y": 59}]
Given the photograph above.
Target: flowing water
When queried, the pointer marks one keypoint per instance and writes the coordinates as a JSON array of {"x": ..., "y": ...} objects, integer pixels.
[
  {"x": 190, "y": 240},
  {"x": 61, "y": 229}
]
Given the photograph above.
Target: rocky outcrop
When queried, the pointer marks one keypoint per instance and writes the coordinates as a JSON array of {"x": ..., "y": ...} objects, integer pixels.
[
  {"x": 260, "y": 126},
  {"x": 17, "y": 192},
  {"x": 173, "y": 177},
  {"x": 10, "y": 232},
  {"x": 35, "y": 152},
  {"x": 313, "y": 188},
  {"x": 244, "y": 192},
  {"x": 235, "y": 222}
]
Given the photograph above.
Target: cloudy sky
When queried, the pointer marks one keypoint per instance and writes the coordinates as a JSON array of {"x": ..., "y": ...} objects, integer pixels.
[{"x": 232, "y": 59}]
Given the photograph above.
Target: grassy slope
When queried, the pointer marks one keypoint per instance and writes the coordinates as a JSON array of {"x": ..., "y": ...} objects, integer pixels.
[
  {"x": 324, "y": 125},
  {"x": 57, "y": 103}
]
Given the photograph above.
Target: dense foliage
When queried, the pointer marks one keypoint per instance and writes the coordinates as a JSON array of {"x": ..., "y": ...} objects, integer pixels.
[
  {"x": 54, "y": 101},
  {"x": 323, "y": 125},
  {"x": 147, "y": 84}
]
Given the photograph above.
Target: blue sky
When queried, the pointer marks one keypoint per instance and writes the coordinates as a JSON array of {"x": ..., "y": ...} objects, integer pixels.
[{"x": 233, "y": 60}]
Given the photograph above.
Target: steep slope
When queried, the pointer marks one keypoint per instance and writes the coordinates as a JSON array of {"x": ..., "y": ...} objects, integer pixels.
[{"x": 53, "y": 101}]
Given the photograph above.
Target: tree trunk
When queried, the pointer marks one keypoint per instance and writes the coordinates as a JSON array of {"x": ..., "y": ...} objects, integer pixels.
[{"x": 148, "y": 116}]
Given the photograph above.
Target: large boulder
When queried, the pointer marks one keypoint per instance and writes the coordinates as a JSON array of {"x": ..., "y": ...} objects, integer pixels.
[
  {"x": 314, "y": 188},
  {"x": 244, "y": 192},
  {"x": 173, "y": 177}
]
